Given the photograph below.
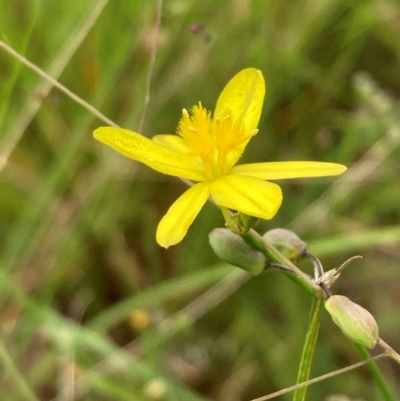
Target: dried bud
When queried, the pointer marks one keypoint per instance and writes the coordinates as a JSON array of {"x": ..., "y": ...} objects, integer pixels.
[
  {"x": 355, "y": 322},
  {"x": 287, "y": 242},
  {"x": 233, "y": 249},
  {"x": 329, "y": 278}
]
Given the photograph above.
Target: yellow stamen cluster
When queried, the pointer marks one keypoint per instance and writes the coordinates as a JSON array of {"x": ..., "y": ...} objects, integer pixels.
[
  {"x": 218, "y": 142},
  {"x": 195, "y": 129}
]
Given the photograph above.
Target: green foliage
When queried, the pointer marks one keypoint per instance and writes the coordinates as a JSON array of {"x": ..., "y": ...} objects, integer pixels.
[{"x": 84, "y": 287}]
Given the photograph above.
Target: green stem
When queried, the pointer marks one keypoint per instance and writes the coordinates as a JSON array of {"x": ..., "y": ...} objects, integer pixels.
[
  {"x": 309, "y": 347},
  {"x": 376, "y": 374},
  {"x": 309, "y": 286},
  {"x": 256, "y": 241}
]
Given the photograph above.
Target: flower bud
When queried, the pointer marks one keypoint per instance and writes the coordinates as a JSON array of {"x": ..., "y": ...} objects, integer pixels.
[
  {"x": 355, "y": 322},
  {"x": 287, "y": 242},
  {"x": 233, "y": 249}
]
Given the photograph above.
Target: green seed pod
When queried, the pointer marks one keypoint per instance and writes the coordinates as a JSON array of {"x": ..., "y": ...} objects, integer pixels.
[
  {"x": 355, "y": 322},
  {"x": 287, "y": 242},
  {"x": 233, "y": 249}
]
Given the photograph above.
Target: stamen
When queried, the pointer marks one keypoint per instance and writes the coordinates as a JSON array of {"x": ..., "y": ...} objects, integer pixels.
[
  {"x": 228, "y": 117},
  {"x": 203, "y": 110},
  {"x": 254, "y": 132},
  {"x": 217, "y": 120},
  {"x": 192, "y": 129},
  {"x": 185, "y": 113}
]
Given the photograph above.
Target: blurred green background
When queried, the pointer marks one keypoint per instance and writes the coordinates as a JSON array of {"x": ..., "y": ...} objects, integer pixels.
[{"x": 91, "y": 307}]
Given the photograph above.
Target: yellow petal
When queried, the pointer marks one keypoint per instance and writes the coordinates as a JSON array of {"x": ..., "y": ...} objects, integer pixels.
[
  {"x": 243, "y": 98},
  {"x": 173, "y": 142},
  {"x": 282, "y": 170},
  {"x": 248, "y": 195},
  {"x": 142, "y": 149},
  {"x": 175, "y": 224}
]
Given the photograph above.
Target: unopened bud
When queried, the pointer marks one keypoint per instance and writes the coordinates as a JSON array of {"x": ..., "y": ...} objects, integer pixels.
[
  {"x": 233, "y": 249},
  {"x": 355, "y": 322},
  {"x": 287, "y": 242}
]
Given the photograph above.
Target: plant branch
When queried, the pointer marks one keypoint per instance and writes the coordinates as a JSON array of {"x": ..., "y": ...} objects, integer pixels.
[{"x": 273, "y": 255}]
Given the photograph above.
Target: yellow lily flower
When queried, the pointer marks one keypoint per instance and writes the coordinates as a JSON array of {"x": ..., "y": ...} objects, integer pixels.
[{"x": 206, "y": 149}]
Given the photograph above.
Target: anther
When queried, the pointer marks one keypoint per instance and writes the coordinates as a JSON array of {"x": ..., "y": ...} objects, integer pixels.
[
  {"x": 185, "y": 113},
  {"x": 254, "y": 132},
  {"x": 192, "y": 129}
]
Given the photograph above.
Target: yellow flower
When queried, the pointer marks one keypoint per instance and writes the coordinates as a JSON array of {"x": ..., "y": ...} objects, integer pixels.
[{"x": 206, "y": 149}]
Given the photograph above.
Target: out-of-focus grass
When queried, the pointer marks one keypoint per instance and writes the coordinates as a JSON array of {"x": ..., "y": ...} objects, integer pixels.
[{"x": 89, "y": 304}]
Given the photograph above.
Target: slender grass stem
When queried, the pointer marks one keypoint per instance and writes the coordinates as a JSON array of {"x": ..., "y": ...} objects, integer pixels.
[
  {"x": 376, "y": 374},
  {"x": 320, "y": 378},
  {"x": 56, "y": 84}
]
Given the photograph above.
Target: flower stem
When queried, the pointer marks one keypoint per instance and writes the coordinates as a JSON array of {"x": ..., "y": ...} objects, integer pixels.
[
  {"x": 304, "y": 281},
  {"x": 309, "y": 347},
  {"x": 310, "y": 287}
]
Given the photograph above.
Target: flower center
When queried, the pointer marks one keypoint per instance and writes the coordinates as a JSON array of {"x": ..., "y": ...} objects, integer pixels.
[{"x": 217, "y": 142}]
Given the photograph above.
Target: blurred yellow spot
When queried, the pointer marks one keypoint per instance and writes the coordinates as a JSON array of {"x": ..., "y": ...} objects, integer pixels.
[
  {"x": 139, "y": 319},
  {"x": 155, "y": 389}
]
